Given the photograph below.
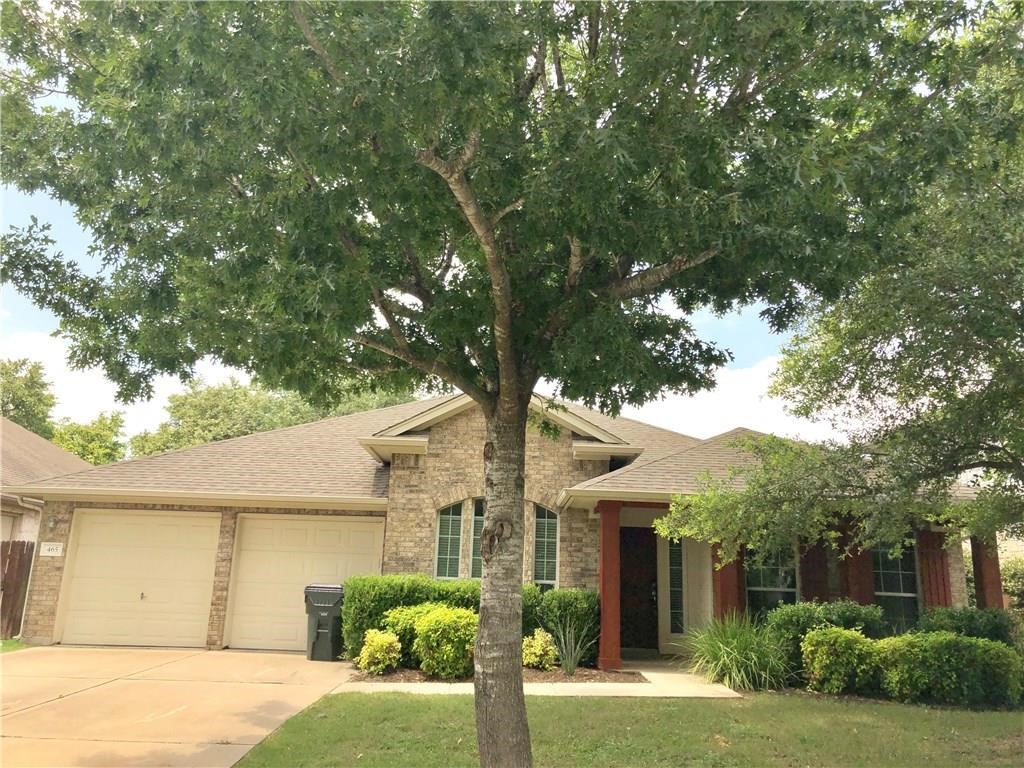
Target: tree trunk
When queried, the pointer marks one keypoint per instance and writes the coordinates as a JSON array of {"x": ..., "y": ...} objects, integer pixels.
[{"x": 503, "y": 734}]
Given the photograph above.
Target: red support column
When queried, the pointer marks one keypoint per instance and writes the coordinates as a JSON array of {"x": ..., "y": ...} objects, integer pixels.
[
  {"x": 609, "y": 647},
  {"x": 933, "y": 564},
  {"x": 988, "y": 581},
  {"x": 814, "y": 573},
  {"x": 728, "y": 585},
  {"x": 859, "y": 579}
]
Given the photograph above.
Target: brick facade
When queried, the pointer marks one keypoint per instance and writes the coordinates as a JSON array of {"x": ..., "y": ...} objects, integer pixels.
[
  {"x": 39, "y": 625},
  {"x": 453, "y": 471}
]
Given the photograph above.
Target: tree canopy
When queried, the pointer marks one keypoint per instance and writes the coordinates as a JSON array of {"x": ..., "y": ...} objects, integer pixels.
[
  {"x": 25, "y": 396},
  {"x": 98, "y": 441},
  {"x": 203, "y": 414},
  {"x": 923, "y": 364},
  {"x": 474, "y": 195}
]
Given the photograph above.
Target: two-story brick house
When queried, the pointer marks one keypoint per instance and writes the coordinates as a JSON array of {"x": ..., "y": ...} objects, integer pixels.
[{"x": 211, "y": 546}]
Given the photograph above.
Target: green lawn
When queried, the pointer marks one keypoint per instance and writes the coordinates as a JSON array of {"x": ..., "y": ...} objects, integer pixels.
[
  {"x": 386, "y": 729},
  {"x": 11, "y": 645}
]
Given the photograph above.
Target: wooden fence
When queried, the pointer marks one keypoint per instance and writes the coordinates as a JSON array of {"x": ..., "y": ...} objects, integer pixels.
[{"x": 16, "y": 563}]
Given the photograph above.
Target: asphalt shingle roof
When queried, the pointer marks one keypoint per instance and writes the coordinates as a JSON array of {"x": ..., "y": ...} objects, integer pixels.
[{"x": 26, "y": 457}]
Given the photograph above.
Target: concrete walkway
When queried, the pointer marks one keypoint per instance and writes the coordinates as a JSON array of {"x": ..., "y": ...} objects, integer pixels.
[
  {"x": 68, "y": 706},
  {"x": 665, "y": 680}
]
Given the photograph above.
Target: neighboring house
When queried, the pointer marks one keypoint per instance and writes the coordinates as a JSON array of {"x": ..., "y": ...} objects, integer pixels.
[
  {"x": 25, "y": 457},
  {"x": 211, "y": 546}
]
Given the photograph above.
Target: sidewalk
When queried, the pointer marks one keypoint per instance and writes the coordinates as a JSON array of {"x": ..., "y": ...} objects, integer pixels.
[{"x": 666, "y": 680}]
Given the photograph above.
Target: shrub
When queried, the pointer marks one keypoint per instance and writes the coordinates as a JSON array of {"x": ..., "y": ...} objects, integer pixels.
[
  {"x": 531, "y": 608},
  {"x": 539, "y": 651},
  {"x": 793, "y": 622},
  {"x": 1012, "y": 569},
  {"x": 572, "y": 616},
  {"x": 989, "y": 623},
  {"x": 458, "y": 593},
  {"x": 381, "y": 652},
  {"x": 444, "y": 642},
  {"x": 740, "y": 653},
  {"x": 946, "y": 668},
  {"x": 839, "y": 660},
  {"x": 368, "y": 598},
  {"x": 402, "y": 621}
]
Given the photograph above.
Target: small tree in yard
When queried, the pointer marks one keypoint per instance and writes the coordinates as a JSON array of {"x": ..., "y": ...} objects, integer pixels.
[{"x": 474, "y": 196}]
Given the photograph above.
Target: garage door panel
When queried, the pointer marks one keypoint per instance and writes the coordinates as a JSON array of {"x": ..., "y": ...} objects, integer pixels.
[
  {"x": 277, "y": 558},
  {"x": 141, "y": 579}
]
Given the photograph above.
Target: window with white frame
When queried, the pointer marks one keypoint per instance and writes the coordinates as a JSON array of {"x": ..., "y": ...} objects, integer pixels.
[
  {"x": 449, "y": 540},
  {"x": 477, "y": 564},
  {"x": 770, "y": 581},
  {"x": 675, "y": 587},
  {"x": 545, "y": 548},
  {"x": 896, "y": 586}
]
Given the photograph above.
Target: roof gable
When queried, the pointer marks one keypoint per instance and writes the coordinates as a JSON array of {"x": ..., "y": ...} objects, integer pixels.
[{"x": 25, "y": 457}]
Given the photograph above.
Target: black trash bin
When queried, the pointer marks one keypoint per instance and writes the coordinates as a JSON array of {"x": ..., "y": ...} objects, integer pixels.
[{"x": 323, "y": 613}]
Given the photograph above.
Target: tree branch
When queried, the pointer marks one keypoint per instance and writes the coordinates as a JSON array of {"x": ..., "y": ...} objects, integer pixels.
[
  {"x": 648, "y": 280},
  {"x": 576, "y": 263},
  {"x": 432, "y": 367},
  {"x": 514, "y": 206},
  {"x": 452, "y": 171},
  {"x": 314, "y": 42}
]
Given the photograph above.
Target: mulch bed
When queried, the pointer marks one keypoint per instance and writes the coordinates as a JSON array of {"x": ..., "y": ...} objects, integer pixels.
[{"x": 583, "y": 675}]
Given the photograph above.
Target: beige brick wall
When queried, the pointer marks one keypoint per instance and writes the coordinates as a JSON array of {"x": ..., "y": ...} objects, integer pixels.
[
  {"x": 453, "y": 471},
  {"x": 47, "y": 578}
]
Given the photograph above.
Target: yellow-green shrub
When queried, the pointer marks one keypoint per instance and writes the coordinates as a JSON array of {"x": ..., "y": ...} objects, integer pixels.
[
  {"x": 380, "y": 653},
  {"x": 539, "y": 651},
  {"x": 402, "y": 621},
  {"x": 837, "y": 660},
  {"x": 444, "y": 642}
]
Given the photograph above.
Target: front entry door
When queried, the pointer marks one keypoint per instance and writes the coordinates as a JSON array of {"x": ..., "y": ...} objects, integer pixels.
[{"x": 639, "y": 585}]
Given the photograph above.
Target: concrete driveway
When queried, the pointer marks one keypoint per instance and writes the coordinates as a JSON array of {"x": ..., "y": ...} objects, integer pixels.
[{"x": 75, "y": 706}]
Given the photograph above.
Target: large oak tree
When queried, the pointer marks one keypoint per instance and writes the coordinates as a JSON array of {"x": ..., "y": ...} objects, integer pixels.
[{"x": 471, "y": 195}]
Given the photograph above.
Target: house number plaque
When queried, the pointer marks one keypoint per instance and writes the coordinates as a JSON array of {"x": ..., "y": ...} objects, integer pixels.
[{"x": 51, "y": 549}]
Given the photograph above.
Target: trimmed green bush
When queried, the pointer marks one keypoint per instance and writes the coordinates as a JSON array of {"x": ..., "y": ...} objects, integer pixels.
[
  {"x": 740, "y": 653},
  {"x": 988, "y": 623},
  {"x": 1012, "y": 571},
  {"x": 531, "y": 608},
  {"x": 946, "y": 668},
  {"x": 837, "y": 660},
  {"x": 380, "y": 653},
  {"x": 368, "y": 598},
  {"x": 539, "y": 651},
  {"x": 402, "y": 621},
  {"x": 793, "y": 622},
  {"x": 444, "y": 642},
  {"x": 573, "y": 617}
]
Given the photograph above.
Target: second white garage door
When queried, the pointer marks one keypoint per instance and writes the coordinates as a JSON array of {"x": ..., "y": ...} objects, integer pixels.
[{"x": 276, "y": 557}]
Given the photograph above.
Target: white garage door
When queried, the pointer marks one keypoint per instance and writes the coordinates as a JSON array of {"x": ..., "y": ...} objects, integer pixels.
[
  {"x": 277, "y": 557},
  {"x": 141, "y": 579}
]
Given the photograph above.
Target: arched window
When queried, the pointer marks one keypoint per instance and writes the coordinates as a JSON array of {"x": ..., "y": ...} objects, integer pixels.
[
  {"x": 545, "y": 548},
  {"x": 476, "y": 569},
  {"x": 449, "y": 541}
]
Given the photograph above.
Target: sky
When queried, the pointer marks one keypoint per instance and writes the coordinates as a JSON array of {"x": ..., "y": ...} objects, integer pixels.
[{"x": 739, "y": 398}]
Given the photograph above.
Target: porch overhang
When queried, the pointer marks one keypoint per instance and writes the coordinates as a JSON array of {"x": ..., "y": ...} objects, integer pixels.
[{"x": 589, "y": 498}]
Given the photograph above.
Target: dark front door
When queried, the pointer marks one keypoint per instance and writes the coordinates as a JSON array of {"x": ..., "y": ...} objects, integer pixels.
[{"x": 639, "y": 598}]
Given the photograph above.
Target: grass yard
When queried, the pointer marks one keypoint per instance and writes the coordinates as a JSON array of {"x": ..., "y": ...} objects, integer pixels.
[
  {"x": 11, "y": 645},
  {"x": 389, "y": 729}
]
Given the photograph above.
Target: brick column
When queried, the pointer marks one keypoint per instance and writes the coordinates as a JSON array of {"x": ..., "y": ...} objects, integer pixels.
[
  {"x": 933, "y": 566},
  {"x": 729, "y": 586},
  {"x": 609, "y": 649},
  {"x": 859, "y": 577},
  {"x": 988, "y": 582},
  {"x": 814, "y": 573}
]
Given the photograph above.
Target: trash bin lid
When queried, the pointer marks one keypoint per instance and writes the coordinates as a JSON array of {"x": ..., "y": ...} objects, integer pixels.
[{"x": 321, "y": 588}]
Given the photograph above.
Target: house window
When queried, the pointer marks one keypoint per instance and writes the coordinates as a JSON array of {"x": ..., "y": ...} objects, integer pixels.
[
  {"x": 675, "y": 587},
  {"x": 545, "y": 548},
  {"x": 449, "y": 537},
  {"x": 477, "y": 566},
  {"x": 896, "y": 587},
  {"x": 771, "y": 582}
]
